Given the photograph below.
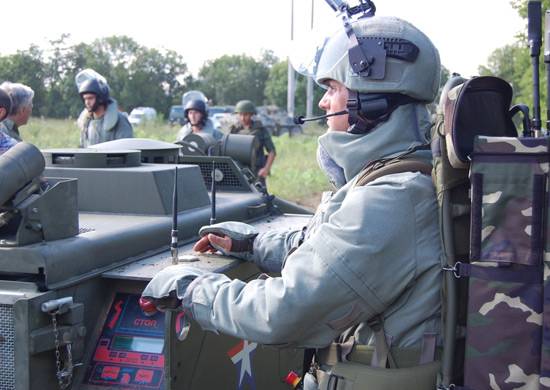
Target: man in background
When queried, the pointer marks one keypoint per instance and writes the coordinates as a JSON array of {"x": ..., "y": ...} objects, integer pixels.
[
  {"x": 245, "y": 109},
  {"x": 100, "y": 121},
  {"x": 197, "y": 121},
  {"x": 6, "y": 141},
  {"x": 21, "y": 108}
]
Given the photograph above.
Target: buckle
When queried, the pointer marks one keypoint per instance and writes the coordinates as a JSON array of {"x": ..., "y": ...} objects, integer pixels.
[{"x": 454, "y": 269}]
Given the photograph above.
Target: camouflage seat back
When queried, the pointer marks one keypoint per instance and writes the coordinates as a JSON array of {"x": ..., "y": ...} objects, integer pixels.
[
  {"x": 506, "y": 288},
  {"x": 466, "y": 108}
]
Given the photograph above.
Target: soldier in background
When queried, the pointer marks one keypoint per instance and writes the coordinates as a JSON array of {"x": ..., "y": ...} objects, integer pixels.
[
  {"x": 248, "y": 126},
  {"x": 197, "y": 121},
  {"x": 100, "y": 121},
  {"x": 6, "y": 141},
  {"x": 21, "y": 108}
]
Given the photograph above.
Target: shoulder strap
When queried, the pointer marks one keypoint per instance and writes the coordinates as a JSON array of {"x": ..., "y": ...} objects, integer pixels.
[{"x": 369, "y": 173}]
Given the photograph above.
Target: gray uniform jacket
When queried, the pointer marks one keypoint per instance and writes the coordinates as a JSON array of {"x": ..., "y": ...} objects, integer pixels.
[
  {"x": 369, "y": 250},
  {"x": 113, "y": 125},
  {"x": 8, "y": 127},
  {"x": 208, "y": 128}
]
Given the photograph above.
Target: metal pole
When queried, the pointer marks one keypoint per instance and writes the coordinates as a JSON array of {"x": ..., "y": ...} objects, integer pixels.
[
  {"x": 309, "y": 90},
  {"x": 534, "y": 22},
  {"x": 291, "y": 86},
  {"x": 547, "y": 62}
]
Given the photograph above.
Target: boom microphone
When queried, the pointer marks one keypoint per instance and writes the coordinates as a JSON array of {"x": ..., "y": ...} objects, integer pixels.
[{"x": 300, "y": 120}]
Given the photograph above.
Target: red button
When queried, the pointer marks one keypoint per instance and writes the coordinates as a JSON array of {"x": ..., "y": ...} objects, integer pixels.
[
  {"x": 110, "y": 372},
  {"x": 147, "y": 306},
  {"x": 144, "y": 376}
]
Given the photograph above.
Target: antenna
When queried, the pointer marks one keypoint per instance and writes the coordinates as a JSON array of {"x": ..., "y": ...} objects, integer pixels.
[
  {"x": 213, "y": 193},
  {"x": 174, "y": 233},
  {"x": 547, "y": 62},
  {"x": 534, "y": 36}
]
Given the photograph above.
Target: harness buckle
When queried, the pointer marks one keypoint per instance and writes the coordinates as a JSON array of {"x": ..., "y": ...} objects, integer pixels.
[{"x": 454, "y": 269}]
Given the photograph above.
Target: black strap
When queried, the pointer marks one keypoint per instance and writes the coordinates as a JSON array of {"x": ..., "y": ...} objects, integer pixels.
[
  {"x": 309, "y": 354},
  {"x": 396, "y": 166}
]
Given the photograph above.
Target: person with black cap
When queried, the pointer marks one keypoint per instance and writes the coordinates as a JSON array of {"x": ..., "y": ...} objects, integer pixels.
[
  {"x": 100, "y": 121},
  {"x": 196, "y": 114},
  {"x": 6, "y": 141}
]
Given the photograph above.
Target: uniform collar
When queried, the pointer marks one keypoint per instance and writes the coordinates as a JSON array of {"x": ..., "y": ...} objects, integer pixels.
[{"x": 408, "y": 126}]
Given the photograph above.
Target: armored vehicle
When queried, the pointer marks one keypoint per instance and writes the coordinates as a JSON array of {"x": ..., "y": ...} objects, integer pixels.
[{"x": 81, "y": 233}]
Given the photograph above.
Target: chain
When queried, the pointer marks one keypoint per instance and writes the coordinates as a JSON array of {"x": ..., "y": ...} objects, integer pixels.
[{"x": 64, "y": 376}]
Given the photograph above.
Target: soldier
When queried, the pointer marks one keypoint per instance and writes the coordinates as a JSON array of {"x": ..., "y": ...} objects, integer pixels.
[
  {"x": 361, "y": 283},
  {"x": 197, "y": 116},
  {"x": 246, "y": 125},
  {"x": 100, "y": 121},
  {"x": 6, "y": 141},
  {"x": 21, "y": 97}
]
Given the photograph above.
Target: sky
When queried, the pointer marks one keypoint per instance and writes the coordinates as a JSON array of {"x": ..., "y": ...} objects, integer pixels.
[{"x": 465, "y": 31}]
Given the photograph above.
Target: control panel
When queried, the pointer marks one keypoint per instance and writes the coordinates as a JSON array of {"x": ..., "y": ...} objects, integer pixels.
[{"x": 129, "y": 351}]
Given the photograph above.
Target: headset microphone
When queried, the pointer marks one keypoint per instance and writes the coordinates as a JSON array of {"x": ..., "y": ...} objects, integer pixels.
[{"x": 300, "y": 120}]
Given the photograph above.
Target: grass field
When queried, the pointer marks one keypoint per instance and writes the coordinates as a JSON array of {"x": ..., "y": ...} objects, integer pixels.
[{"x": 295, "y": 175}]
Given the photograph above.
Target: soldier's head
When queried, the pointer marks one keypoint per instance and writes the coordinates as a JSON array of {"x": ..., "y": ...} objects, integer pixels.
[
  {"x": 21, "y": 101},
  {"x": 370, "y": 67},
  {"x": 195, "y": 112},
  {"x": 245, "y": 109},
  {"x": 94, "y": 94},
  {"x": 5, "y": 104}
]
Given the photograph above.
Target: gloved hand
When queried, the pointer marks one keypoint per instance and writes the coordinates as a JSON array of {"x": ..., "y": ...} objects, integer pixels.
[
  {"x": 165, "y": 292},
  {"x": 230, "y": 238}
]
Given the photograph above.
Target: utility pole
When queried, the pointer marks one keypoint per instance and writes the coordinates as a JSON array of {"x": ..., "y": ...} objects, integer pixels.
[
  {"x": 291, "y": 86},
  {"x": 309, "y": 90}
]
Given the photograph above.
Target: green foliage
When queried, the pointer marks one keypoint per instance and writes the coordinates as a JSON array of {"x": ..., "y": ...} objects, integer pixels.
[
  {"x": 137, "y": 75},
  {"x": 513, "y": 63},
  {"x": 295, "y": 174},
  {"x": 25, "y": 67},
  {"x": 51, "y": 133},
  {"x": 231, "y": 78}
]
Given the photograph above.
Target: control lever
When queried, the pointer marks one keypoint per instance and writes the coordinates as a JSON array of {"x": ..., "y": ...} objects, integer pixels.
[{"x": 59, "y": 306}]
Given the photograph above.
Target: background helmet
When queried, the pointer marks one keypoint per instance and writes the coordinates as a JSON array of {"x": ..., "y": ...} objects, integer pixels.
[
  {"x": 413, "y": 72},
  {"x": 197, "y": 105},
  {"x": 89, "y": 81},
  {"x": 99, "y": 89},
  {"x": 245, "y": 106}
]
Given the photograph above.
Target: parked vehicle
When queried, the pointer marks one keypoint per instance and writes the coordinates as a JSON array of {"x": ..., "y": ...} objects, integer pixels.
[
  {"x": 142, "y": 114},
  {"x": 278, "y": 122},
  {"x": 176, "y": 116}
]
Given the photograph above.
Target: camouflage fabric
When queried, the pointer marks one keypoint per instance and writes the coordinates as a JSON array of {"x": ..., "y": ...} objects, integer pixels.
[{"x": 505, "y": 305}]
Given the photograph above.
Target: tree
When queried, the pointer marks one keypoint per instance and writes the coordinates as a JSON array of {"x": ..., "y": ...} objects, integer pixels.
[
  {"x": 512, "y": 62},
  {"x": 276, "y": 89},
  {"x": 26, "y": 67},
  {"x": 231, "y": 78},
  {"x": 137, "y": 75}
]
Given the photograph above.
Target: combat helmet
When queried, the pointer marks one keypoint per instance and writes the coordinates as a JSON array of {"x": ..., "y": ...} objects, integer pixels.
[
  {"x": 384, "y": 62},
  {"x": 89, "y": 81},
  {"x": 197, "y": 105},
  {"x": 245, "y": 106},
  {"x": 97, "y": 88}
]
